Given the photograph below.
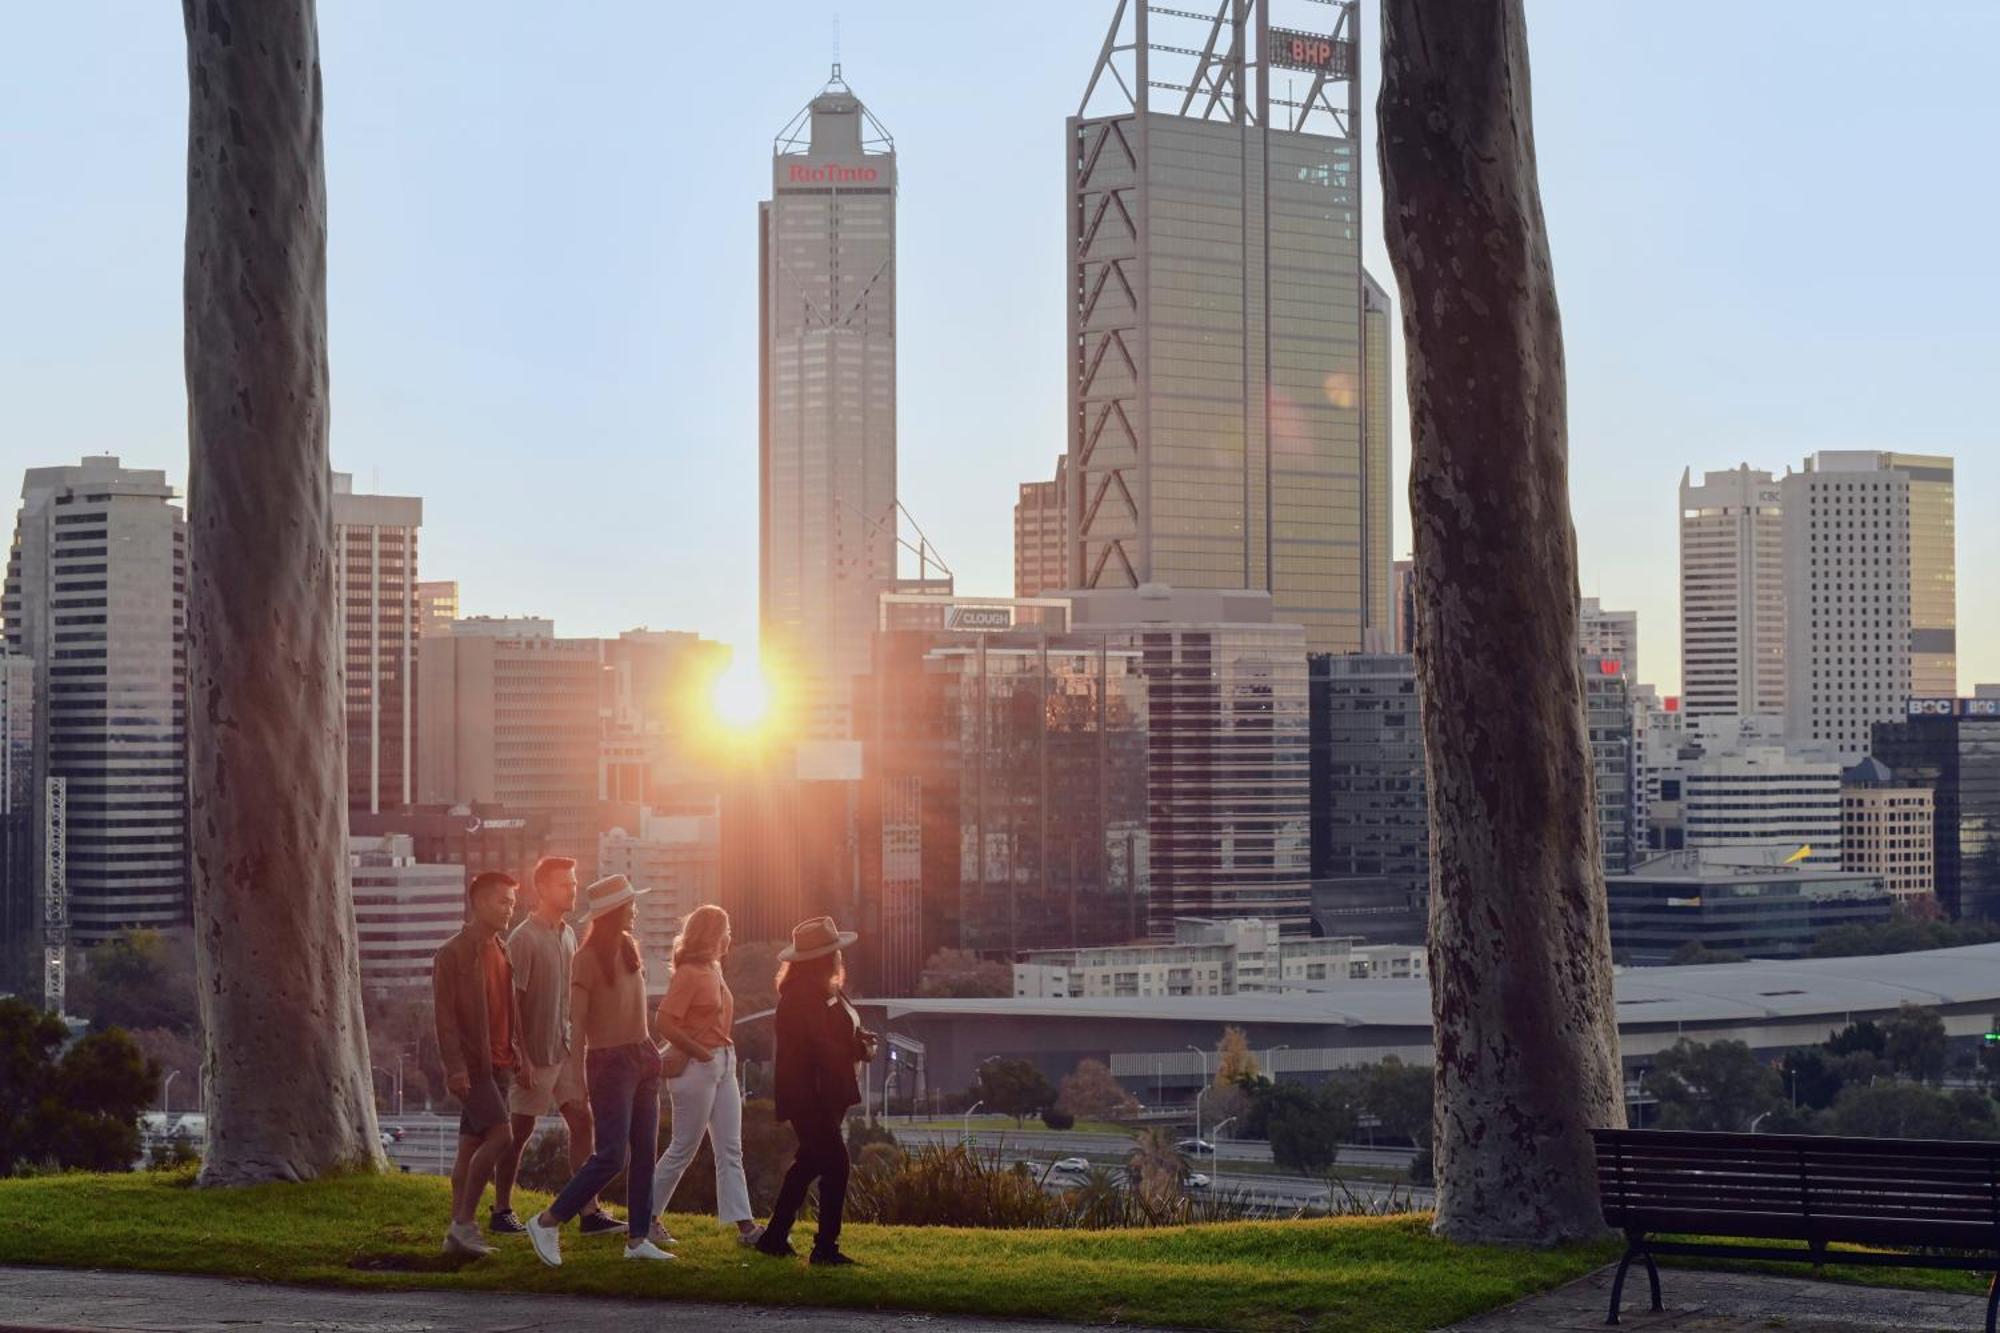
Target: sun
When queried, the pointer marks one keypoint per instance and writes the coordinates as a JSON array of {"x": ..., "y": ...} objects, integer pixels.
[{"x": 740, "y": 698}]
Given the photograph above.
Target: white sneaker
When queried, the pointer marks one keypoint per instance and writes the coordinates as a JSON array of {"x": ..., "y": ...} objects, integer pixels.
[
  {"x": 548, "y": 1245},
  {"x": 645, "y": 1249},
  {"x": 463, "y": 1238},
  {"x": 660, "y": 1236},
  {"x": 750, "y": 1237}
]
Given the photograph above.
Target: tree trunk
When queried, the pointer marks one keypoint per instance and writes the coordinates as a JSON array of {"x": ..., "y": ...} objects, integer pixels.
[
  {"x": 288, "y": 1088},
  {"x": 1526, "y": 1033}
]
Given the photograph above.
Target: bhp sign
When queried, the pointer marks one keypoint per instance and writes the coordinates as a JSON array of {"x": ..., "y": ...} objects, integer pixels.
[{"x": 831, "y": 173}]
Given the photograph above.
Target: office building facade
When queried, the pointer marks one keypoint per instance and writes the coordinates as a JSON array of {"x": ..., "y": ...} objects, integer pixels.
[
  {"x": 1870, "y": 592},
  {"x": 437, "y": 606},
  {"x": 1370, "y": 797},
  {"x": 375, "y": 590},
  {"x": 20, "y": 817},
  {"x": 1682, "y": 899},
  {"x": 1888, "y": 829},
  {"x": 1607, "y": 700},
  {"x": 1608, "y": 636},
  {"x": 677, "y": 859},
  {"x": 1040, "y": 552},
  {"x": 1227, "y": 355},
  {"x": 1952, "y": 747},
  {"x": 1732, "y": 535},
  {"x": 403, "y": 910},
  {"x": 827, "y": 389},
  {"x": 514, "y": 722},
  {"x": 1764, "y": 806},
  {"x": 1006, "y": 804},
  {"x": 96, "y": 597},
  {"x": 1228, "y": 747}
]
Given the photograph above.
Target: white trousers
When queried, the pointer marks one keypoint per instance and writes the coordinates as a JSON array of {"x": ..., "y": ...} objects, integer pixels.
[{"x": 707, "y": 1100}]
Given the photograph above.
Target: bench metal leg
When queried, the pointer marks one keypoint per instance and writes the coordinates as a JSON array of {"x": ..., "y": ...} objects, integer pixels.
[
  {"x": 1632, "y": 1251},
  {"x": 1653, "y": 1276},
  {"x": 1993, "y": 1303}
]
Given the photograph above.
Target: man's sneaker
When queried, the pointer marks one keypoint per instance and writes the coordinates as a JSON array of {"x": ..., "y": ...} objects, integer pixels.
[
  {"x": 660, "y": 1236},
  {"x": 463, "y": 1239},
  {"x": 832, "y": 1259},
  {"x": 750, "y": 1237},
  {"x": 599, "y": 1223},
  {"x": 504, "y": 1221},
  {"x": 547, "y": 1243},
  {"x": 645, "y": 1249},
  {"x": 777, "y": 1249}
]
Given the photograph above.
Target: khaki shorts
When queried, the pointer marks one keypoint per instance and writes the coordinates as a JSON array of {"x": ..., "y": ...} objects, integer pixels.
[{"x": 547, "y": 1090}]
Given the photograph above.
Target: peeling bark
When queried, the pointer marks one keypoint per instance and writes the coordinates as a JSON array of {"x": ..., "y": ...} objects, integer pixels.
[
  {"x": 1527, "y": 1039},
  {"x": 288, "y": 1088}
]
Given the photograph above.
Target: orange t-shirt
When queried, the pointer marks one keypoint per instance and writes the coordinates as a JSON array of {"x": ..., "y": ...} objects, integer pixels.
[
  {"x": 699, "y": 1003},
  {"x": 499, "y": 1004}
]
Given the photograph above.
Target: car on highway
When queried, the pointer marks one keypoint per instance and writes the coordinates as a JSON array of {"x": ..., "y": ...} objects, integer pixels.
[
  {"x": 1079, "y": 1166},
  {"x": 1194, "y": 1146},
  {"x": 393, "y": 1133},
  {"x": 1197, "y": 1181}
]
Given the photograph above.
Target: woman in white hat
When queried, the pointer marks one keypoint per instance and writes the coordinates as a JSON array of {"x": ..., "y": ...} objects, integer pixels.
[
  {"x": 622, "y": 1066},
  {"x": 820, "y": 1041}
]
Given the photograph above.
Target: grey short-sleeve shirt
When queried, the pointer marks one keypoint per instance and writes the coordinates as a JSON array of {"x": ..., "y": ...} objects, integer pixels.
[{"x": 541, "y": 958}]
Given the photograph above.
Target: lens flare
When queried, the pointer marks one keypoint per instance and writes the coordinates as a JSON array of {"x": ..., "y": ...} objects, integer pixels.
[{"x": 740, "y": 698}]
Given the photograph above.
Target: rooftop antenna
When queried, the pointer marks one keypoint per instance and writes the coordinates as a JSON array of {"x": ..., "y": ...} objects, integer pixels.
[{"x": 836, "y": 48}]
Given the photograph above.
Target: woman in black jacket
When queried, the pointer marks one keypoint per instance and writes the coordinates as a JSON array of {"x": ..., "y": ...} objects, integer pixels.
[{"x": 820, "y": 1042}]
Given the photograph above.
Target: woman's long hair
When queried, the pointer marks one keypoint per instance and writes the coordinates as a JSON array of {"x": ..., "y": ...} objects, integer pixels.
[
  {"x": 700, "y": 940},
  {"x": 820, "y": 976},
  {"x": 612, "y": 934}
]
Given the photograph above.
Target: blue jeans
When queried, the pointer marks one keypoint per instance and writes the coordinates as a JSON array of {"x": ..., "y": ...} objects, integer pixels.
[{"x": 625, "y": 1104}]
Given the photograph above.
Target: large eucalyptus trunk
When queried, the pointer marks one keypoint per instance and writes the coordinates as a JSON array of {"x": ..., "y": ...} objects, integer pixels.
[
  {"x": 288, "y": 1088},
  {"x": 1526, "y": 1034}
]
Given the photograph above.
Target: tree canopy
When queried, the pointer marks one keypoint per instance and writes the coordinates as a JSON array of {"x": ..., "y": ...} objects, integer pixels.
[
  {"x": 77, "y": 1108},
  {"x": 1012, "y": 1087}
]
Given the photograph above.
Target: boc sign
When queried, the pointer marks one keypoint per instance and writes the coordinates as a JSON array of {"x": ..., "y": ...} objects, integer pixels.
[{"x": 1947, "y": 707}]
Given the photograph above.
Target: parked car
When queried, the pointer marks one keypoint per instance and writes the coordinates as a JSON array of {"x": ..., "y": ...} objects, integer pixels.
[{"x": 1195, "y": 1146}]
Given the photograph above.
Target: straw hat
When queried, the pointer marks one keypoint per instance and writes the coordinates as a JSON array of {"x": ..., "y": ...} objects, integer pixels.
[
  {"x": 815, "y": 939},
  {"x": 612, "y": 891}
]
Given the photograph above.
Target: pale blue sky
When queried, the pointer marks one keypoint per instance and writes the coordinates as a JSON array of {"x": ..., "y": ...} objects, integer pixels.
[{"x": 1774, "y": 232}]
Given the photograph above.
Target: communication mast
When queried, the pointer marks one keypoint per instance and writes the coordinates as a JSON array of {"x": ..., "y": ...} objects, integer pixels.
[{"x": 55, "y": 895}]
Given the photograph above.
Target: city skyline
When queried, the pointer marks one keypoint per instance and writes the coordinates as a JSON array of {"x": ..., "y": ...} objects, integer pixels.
[{"x": 570, "y": 307}]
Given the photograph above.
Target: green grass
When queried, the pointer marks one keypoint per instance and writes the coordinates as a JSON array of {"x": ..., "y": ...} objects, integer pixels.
[{"x": 1380, "y": 1275}]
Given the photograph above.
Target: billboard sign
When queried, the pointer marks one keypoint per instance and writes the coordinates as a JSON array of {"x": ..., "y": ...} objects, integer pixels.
[
  {"x": 1950, "y": 707},
  {"x": 829, "y": 173},
  {"x": 1315, "y": 53},
  {"x": 983, "y": 618}
]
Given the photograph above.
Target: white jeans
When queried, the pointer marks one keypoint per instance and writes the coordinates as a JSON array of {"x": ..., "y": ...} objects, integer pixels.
[{"x": 707, "y": 1100}]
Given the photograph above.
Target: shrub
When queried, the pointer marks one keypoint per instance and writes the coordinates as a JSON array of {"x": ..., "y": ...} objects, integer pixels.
[
  {"x": 1057, "y": 1118},
  {"x": 79, "y": 1109}
]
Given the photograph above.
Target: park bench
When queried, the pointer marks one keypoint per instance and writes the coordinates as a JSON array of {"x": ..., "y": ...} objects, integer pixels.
[{"x": 1931, "y": 1203}]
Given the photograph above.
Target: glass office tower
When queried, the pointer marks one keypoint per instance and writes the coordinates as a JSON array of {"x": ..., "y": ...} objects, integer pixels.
[
  {"x": 827, "y": 384},
  {"x": 1228, "y": 377}
]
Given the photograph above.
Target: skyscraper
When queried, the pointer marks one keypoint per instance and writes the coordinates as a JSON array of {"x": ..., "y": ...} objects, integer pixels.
[
  {"x": 1732, "y": 594},
  {"x": 96, "y": 595},
  {"x": 375, "y": 572},
  {"x": 1609, "y": 636},
  {"x": 1871, "y": 606},
  {"x": 20, "y": 813},
  {"x": 1040, "y": 553},
  {"x": 1228, "y": 386},
  {"x": 437, "y": 606},
  {"x": 827, "y": 386},
  {"x": 1370, "y": 802}
]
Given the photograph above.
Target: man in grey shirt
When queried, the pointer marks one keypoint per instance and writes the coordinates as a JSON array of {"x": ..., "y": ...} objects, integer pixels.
[{"x": 550, "y": 1077}]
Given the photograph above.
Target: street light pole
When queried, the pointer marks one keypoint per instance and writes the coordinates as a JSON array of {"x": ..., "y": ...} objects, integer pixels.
[
  {"x": 166, "y": 1088},
  {"x": 1204, "y": 1089},
  {"x": 1215, "y": 1156},
  {"x": 965, "y": 1132}
]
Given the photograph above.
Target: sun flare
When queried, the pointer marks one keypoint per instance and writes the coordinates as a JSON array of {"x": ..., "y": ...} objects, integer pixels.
[{"x": 740, "y": 698}]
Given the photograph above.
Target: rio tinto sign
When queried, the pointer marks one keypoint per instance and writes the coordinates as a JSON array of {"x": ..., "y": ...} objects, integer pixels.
[
  {"x": 830, "y": 173},
  {"x": 1310, "y": 51}
]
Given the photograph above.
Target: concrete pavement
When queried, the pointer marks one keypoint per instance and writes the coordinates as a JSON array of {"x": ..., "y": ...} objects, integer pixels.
[
  {"x": 1734, "y": 1303},
  {"x": 34, "y": 1300}
]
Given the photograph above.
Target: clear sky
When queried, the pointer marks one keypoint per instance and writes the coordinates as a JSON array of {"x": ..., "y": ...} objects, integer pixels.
[{"x": 1773, "y": 228}]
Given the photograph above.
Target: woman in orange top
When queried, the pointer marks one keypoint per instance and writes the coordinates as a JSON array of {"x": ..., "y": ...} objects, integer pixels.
[{"x": 696, "y": 1019}]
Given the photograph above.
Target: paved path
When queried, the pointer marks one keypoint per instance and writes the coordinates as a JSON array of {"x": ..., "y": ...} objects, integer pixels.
[
  {"x": 1734, "y": 1303},
  {"x": 39, "y": 1299}
]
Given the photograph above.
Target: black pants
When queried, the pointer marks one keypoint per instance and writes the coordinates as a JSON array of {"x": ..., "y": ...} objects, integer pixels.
[{"x": 822, "y": 1157}]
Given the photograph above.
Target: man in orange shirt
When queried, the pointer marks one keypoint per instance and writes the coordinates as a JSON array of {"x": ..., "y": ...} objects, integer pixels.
[{"x": 478, "y": 1027}]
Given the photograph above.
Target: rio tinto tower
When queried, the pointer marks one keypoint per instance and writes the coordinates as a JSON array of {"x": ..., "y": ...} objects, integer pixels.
[{"x": 827, "y": 395}]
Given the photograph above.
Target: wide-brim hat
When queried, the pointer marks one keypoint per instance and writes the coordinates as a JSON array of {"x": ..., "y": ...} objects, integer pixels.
[
  {"x": 604, "y": 895},
  {"x": 815, "y": 939}
]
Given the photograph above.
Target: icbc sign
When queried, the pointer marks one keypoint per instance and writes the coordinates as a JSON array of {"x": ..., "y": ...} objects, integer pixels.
[
  {"x": 830, "y": 173},
  {"x": 1310, "y": 51}
]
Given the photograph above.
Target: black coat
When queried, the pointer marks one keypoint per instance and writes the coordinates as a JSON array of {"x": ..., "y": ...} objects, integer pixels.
[{"x": 818, "y": 1043}]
